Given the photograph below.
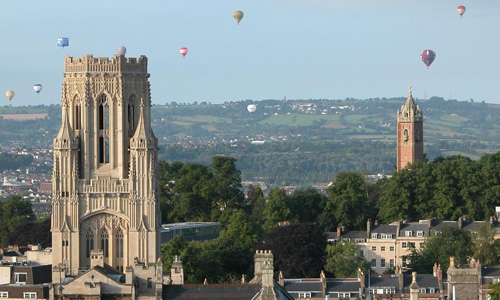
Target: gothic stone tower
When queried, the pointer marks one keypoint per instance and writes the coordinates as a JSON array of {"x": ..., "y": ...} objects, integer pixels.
[
  {"x": 410, "y": 137},
  {"x": 105, "y": 164}
]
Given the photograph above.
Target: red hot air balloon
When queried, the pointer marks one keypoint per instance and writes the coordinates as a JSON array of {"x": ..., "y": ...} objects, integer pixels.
[
  {"x": 428, "y": 57},
  {"x": 184, "y": 51},
  {"x": 461, "y": 10}
]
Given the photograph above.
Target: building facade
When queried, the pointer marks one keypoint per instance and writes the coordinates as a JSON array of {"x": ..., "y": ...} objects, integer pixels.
[
  {"x": 105, "y": 189},
  {"x": 410, "y": 134}
]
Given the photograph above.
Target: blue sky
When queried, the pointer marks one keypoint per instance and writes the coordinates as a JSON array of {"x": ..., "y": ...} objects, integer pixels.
[{"x": 301, "y": 49}]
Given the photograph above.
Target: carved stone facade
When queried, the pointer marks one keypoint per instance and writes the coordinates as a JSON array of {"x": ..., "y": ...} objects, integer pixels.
[
  {"x": 410, "y": 135},
  {"x": 105, "y": 186}
]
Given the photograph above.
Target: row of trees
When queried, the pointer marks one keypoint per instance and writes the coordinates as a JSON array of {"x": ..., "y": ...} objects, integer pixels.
[
  {"x": 19, "y": 226},
  {"x": 446, "y": 188}
]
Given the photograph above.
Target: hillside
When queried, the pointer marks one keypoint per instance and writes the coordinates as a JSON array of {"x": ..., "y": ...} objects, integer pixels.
[{"x": 294, "y": 142}]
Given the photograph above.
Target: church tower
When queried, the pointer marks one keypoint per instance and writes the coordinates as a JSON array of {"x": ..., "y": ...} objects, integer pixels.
[
  {"x": 105, "y": 189},
  {"x": 410, "y": 135}
]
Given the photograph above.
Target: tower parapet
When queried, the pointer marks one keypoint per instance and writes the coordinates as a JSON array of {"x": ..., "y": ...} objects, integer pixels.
[{"x": 116, "y": 64}]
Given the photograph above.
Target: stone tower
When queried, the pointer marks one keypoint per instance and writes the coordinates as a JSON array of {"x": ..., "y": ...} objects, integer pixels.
[
  {"x": 410, "y": 136},
  {"x": 105, "y": 185}
]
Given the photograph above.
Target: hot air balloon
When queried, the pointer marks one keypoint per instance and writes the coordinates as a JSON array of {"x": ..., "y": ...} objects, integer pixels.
[
  {"x": 10, "y": 94},
  {"x": 184, "y": 51},
  {"x": 121, "y": 50},
  {"x": 63, "y": 42},
  {"x": 37, "y": 87},
  {"x": 251, "y": 108},
  {"x": 238, "y": 15},
  {"x": 428, "y": 57},
  {"x": 461, "y": 10}
]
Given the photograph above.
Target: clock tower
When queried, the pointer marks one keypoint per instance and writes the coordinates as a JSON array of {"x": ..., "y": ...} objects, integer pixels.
[{"x": 410, "y": 134}]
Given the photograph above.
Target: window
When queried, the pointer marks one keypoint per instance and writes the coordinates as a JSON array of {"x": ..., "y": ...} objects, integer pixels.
[
  {"x": 119, "y": 243},
  {"x": 411, "y": 245},
  {"x": 391, "y": 263},
  {"x": 382, "y": 248},
  {"x": 408, "y": 233},
  {"x": 374, "y": 235},
  {"x": 4, "y": 294},
  {"x": 103, "y": 130},
  {"x": 422, "y": 290},
  {"x": 382, "y": 263},
  {"x": 29, "y": 295},
  {"x": 391, "y": 248},
  {"x": 386, "y": 236},
  {"x": 89, "y": 243},
  {"x": 374, "y": 248},
  {"x": 420, "y": 233},
  {"x": 432, "y": 290},
  {"x": 105, "y": 243},
  {"x": 20, "y": 277},
  {"x": 421, "y": 245},
  {"x": 150, "y": 283},
  {"x": 374, "y": 263},
  {"x": 344, "y": 295},
  {"x": 304, "y": 294},
  {"x": 405, "y": 133},
  {"x": 403, "y": 244}
]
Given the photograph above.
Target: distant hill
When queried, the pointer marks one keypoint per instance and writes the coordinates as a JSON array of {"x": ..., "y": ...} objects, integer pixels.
[{"x": 296, "y": 141}]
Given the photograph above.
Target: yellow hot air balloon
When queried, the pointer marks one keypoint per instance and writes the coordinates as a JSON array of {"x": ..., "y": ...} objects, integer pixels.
[
  {"x": 10, "y": 94},
  {"x": 238, "y": 15}
]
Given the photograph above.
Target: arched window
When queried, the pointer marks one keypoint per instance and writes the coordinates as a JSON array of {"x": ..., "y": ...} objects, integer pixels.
[
  {"x": 89, "y": 243},
  {"x": 103, "y": 113},
  {"x": 119, "y": 243},
  {"x": 105, "y": 242},
  {"x": 77, "y": 113},
  {"x": 405, "y": 135},
  {"x": 131, "y": 115},
  {"x": 103, "y": 130}
]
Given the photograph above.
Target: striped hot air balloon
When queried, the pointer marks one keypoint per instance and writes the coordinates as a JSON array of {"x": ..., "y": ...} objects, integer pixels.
[{"x": 184, "y": 51}]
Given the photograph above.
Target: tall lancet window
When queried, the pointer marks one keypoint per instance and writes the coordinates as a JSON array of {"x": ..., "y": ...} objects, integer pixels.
[
  {"x": 119, "y": 243},
  {"x": 89, "y": 243},
  {"x": 77, "y": 114},
  {"x": 103, "y": 130},
  {"x": 131, "y": 115},
  {"x": 105, "y": 242},
  {"x": 103, "y": 113}
]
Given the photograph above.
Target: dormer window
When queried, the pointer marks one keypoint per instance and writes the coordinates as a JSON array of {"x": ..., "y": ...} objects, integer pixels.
[{"x": 408, "y": 233}]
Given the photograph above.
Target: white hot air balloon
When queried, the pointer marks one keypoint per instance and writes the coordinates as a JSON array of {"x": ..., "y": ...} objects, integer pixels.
[
  {"x": 37, "y": 87},
  {"x": 121, "y": 50},
  {"x": 251, "y": 108}
]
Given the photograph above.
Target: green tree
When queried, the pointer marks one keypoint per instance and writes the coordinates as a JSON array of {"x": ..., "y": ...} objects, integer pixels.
[
  {"x": 348, "y": 200},
  {"x": 440, "y": 247},
  {"x": 344, "y": 258},
  {"x": 299, "y": 249},
  {"x": 306, "y": 205},
  {"x": 242, "y": 230},
  {"x": 495, "y": 290},
  {"x": 14, "y": 212},
  {"x": 484, "y": 247},
  {"x": 276, "y": 209}
]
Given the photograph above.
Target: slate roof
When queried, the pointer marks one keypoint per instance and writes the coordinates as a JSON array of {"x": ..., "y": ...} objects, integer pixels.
[
  {"x": 491, "y": 271},
  {"x": 342, "y": 286},
  {"x": 211, "y": 291},
  {"x": 472, "y": 226},
  {"x": 303, "y": 285},
  {"x": 442, "y": 224},
  {"x": 383, "y": 228},
  {"x": 383, "y": 281},
  {"x": 354, "y": 235},
  {"x": 423, "y": 280},
  {"x": 414, "y": 226}
]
